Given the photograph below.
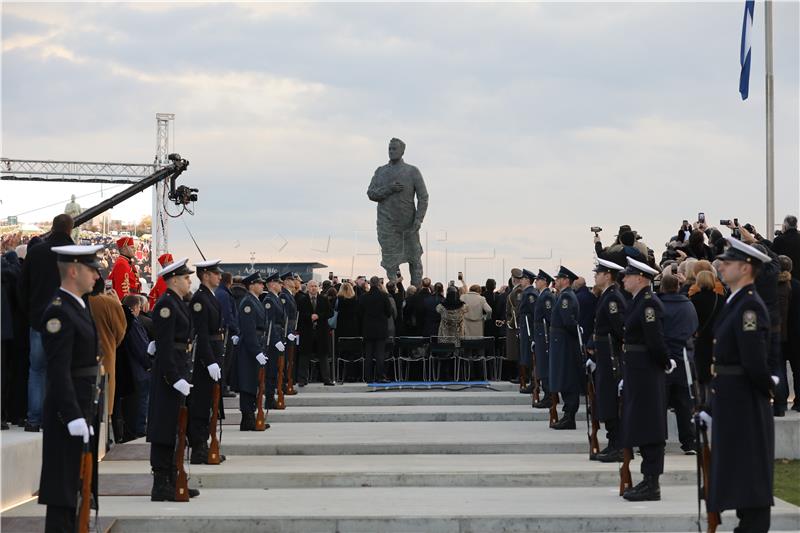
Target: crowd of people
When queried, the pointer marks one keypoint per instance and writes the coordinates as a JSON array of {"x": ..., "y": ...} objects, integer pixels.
[{"x": 649, "y": 330}]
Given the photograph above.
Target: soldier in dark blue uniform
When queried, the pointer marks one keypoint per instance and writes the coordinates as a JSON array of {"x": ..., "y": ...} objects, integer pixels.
[
  {"x": 209, "y": 345},
  {"x": 171, "y": 376},
  {"x": 542, "y": 312},
  {"x": 644, "y": 407},
  {"x": 276, "y": 322},
  {"x": 565, "y": 353},
  {"x": 290, "y": 309},
  {"x": 527, "y": 303},
  {"x": 606, "y": 358},
  {"x": 70, "y": 343},
  {"x": 252, "y": 343},
  {"x": 742, "y": 433}
]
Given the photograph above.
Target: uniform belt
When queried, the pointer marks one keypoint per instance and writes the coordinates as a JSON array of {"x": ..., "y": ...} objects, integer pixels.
[
  {"x": 727, "y": 370},
  {"x": 634, "y": 347},
  {"x": 261, "y": 330},
  {"x": 187, "y": 346},
  {"x": 84, "y": 371},
  {"x": 218, "y": 337}
]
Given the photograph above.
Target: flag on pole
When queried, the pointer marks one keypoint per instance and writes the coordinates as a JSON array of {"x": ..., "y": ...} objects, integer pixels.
[{"x": 745, "y": 52}]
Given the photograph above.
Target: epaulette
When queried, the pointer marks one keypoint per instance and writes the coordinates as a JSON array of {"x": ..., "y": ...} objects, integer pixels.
[
  {"x": 648, "y": 296},
  {"x": 56, "y": 301}
]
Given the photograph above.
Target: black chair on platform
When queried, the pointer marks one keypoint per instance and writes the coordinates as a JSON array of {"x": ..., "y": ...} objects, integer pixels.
[
  {"x": 390, "y": 356},
  {"x": 412, "y": 350},
  {"x": 349, "y": 351},
  {"x": 473, "y": 350},
  {"x": 442, "y": 350}
]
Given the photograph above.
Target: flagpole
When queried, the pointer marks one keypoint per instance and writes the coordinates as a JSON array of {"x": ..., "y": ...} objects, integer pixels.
[{"x": 770, "y": 122}]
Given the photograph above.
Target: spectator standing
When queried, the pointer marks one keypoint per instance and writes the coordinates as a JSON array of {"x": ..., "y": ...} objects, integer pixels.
[
  {"x": 452, "y": 311},
  {"x": 133, "y": 351},
  {"x": 477, "y": 312},
  {"x": 314, "y": 310},
  {"x": 788, "y": 243},
  {"x": 707, "y": 304},
  {"x": 374, "y": 310},
  {"x": 39, "y": 281}
]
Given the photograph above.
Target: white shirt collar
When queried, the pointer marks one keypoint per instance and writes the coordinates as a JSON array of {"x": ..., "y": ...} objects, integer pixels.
[
  {"x": 732, "y": 295},
  {"x": 78, "y": 298}
]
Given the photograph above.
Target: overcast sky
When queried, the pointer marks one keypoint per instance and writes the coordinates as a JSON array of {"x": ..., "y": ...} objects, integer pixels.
[{"x": 530, "y": 122}]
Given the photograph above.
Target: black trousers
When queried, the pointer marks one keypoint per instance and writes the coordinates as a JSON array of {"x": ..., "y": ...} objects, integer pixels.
[
  {"x": 247, "y": 402},
  {"x": 374, "y": 349},
  {"x": 197, "y": 426},
  {"x": 612, "y": 433},
  {"x": 652, "y": 459},
  {"x": 753, "y": 520},
  {"x": 60, "y": 519},
  {"x": 571, "y": 402},
  {"x": 678, "y": 399},
  {"x": 162, "y": 457},
  {"x": 227, "y": 360}
]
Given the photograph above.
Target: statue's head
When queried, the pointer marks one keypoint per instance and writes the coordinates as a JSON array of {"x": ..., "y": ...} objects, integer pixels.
[
  {"x": 72, "y": 198},
  {"x": 396, "y": 149}
]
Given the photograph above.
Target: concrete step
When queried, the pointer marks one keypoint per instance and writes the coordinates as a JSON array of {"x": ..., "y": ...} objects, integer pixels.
[
  {"x": 392, "y": 438},
  {"x": 432, "y": 509},
  {"x": 21, "y": 460},
  {"x": 433, "y": 397},
  {"x": 131, "y": 478}
]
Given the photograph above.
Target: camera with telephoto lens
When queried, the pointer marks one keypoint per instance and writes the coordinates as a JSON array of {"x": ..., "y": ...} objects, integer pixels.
[{"x": 596, "y": 229}]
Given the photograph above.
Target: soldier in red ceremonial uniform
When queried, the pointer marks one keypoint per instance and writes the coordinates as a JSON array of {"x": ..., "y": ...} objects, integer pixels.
[
  {"x": 160, "y": 286},
  {"x": 124, "y": 276}
]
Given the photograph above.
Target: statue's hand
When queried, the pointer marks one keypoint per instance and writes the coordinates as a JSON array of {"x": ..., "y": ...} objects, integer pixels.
[
  {"x": 416, "y": 225},
  {"x": 397, "y": 186}
]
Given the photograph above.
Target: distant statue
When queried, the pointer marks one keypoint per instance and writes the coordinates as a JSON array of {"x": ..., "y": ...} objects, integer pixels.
[
  {"x": 394, "y": 187},
  {"x": 73, "y": 209}
]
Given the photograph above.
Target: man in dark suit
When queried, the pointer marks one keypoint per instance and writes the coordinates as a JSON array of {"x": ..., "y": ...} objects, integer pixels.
[
  {"x": 38, "y": 282},
  {"x": 374, "y": 309},
  {"x": 314, "y": 310}
]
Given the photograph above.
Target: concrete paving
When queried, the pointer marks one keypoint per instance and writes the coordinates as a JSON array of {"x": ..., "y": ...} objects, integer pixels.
[
  {"x": 21, "y": 462},
  {"x": 433, "y": 509}
]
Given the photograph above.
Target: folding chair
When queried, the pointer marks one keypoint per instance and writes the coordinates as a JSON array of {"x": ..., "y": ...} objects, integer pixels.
[
  {"x": 472, "y": 350},
  {"x": 411, "y": 350},
  {"x": 390, "y": 356},
  {"x": 442, "y": 349},
  {"x": 349, "y": 350}
]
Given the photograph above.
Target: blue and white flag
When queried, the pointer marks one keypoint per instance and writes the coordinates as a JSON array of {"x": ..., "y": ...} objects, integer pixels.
[{"x": 745, "y": 52}]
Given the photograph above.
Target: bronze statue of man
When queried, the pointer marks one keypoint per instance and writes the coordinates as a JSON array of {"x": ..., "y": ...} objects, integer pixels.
[{"x": 394, "y": 186}]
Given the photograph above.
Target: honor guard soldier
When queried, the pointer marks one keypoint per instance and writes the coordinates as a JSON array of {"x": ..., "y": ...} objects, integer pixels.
[
  {"x": 251, "y": 356},
  {"x": 158, "y": 289},
  {"x": 70, "y": 342},
  {"x": 742, "y": 433},
  {"x": 606, "y": 360},
  {"x": 209, "y": 347},
  {"x": 525, "y": 313},
  {"x": 643, "y": 387},
  {"x": 276, "y": 317},
  {"x": 565, "y": 351},
  {"x": 542, "y": 313},
  {"x": 124, "y": 276},
  {"x": 290, "y": 308},
  {"x": 171, "y": 374},
  {"x": 512, "y": 326}
]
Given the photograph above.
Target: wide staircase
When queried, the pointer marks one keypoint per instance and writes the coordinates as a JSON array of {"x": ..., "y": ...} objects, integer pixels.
[{"x": 347, "y": 458}]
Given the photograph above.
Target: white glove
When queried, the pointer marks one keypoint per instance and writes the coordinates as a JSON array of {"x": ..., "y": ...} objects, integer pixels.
[
  {"x": 705, "y": 418},
  {"x": 776, "y": 380},
  {"x": 591, "y": 365},
  {"x": 619, "y": 388},
  {"x": 182, "y": 386},
  {"x": 235, "y": 339},
  {"x": 292, "y": 336},
  {"x": 261, "y": 358},
  {"x": 672, "y": 366},
  {"x": 214, "y": 371},
  {"x": 280, "y": 346},
  {"x": 151, "y": 348},
  {"x": 78, "y": 428}
]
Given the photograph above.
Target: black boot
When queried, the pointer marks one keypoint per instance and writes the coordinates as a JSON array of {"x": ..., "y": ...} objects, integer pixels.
[
  {"x": 248, "y": 422},
  {"x": 610, "y": 455},
  {"x": 566, "y": 422},
  {"x": 163, "y": 488},
  {"x": 635, "y": 488},
  {"x": 199, "y": 454},
  {"x": 192, "y": 492},
  {"x": 649, "y": 491},
  {"x": 544, "y": 403}
]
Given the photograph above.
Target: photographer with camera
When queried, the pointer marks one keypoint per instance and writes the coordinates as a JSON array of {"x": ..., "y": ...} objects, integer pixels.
[{"x": 788, "y": 243}]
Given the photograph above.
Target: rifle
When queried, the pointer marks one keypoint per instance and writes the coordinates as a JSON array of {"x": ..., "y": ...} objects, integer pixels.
[
  {"x": 181, "y": 479},
  {"x": 216, "y": 392},
  {"x": 85, "y": 495},
  {"x": 703, "y": 455},
  {"x": 590, "y": 402},
  {"x": 261, "y": 419},
  {"x": 625, "y": 480},
  {"x": 281, "y": 404},
  {"x": 553, "y": 395},
  {"x": 536, "y": 390}
]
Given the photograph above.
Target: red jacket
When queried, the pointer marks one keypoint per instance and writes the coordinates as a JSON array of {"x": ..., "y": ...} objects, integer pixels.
[
  {"x": 124, "y": 277},
  {"x": 157, "y": 290}
]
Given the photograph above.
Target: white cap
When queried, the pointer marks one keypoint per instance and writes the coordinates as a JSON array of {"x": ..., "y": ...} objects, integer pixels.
[
  {"x": 637, "y": 267},
  {"x": 176, "y": 268},
  {"x": 609, "y": 264}
]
